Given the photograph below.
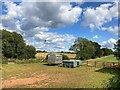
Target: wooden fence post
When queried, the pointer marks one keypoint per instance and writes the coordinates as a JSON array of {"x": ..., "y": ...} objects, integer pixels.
[
  {"x": 95, "y": 63},
  {"x": 87, "y": 63},
  {"x": 113, "y": 64},
  {"x": 103, "y": 64}
]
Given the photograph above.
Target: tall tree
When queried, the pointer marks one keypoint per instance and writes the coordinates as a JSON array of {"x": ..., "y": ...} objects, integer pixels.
[
  {"x": 84, "y": 48},
  {"x": 13, "y": 46},
  {"x": 117, "y": 49}
]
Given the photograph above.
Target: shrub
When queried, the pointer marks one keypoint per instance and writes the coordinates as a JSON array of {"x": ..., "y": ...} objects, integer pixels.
[
  {"x": 65, "y": 57},
  {"x": 27, "y": 61},
  {"x": 4, "y": 60}
]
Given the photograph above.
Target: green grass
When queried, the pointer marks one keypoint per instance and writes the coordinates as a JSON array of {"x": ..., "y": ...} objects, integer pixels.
[
  {"x": 109, "y": 58},
  {"x": 58, "y": 77}
]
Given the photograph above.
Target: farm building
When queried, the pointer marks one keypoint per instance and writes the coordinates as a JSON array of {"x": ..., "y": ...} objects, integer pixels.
[{"x": 54, "y": 59}]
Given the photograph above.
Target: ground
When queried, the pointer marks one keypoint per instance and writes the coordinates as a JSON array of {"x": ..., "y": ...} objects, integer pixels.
[
  {"x": 109, "y": 58},
  {"x": 40, "y": 75}
]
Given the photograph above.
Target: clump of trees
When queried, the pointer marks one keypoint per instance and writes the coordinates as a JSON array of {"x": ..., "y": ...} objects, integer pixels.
[
  {"x": 86, "y": 49},
  {"x": 13, "y": 46}
]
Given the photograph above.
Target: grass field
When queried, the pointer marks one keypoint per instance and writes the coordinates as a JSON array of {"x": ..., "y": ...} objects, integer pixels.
[
  {"x": 109, "y": 58},
  {"x": 38, "y": 55},
  {"x": 40, "y": 75}
]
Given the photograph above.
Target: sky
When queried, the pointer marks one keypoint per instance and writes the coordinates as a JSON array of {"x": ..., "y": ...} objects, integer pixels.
[{"x": 54, "y": 26}]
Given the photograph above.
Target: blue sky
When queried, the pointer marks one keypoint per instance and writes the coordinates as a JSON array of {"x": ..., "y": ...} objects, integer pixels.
[{"x": 61, "y": 23}]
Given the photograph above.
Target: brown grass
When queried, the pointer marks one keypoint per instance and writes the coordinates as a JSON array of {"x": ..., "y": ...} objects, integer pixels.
[
  {"x": 40, "y": 75},
  {"x": 38, "y": 55}
]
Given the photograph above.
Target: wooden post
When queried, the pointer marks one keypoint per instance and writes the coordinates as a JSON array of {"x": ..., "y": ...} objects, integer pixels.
[
  {"x": 113, "y": 64},
  {"x": 87, "y": 63},
  {"x": 95, "y": 63},
  {"x": 103, "y": 64}
]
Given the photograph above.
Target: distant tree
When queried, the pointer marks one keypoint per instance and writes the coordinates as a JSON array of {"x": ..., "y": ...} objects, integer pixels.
[
  {"x": 107, "y": 51},
  {"x": 84, "y": 48}
]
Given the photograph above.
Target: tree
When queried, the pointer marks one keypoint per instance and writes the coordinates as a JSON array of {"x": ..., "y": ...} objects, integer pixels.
[
  {"x": 117, "y": 49},
  {"x": 107, "y": 51},
  {"x": 84, "y": 48},
  {"x": 115, "y": 81},
  {"x": 13, "y": 46}
]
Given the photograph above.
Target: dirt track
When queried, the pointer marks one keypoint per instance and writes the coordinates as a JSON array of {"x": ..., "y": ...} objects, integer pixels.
[{"x": 42, "y": 80}]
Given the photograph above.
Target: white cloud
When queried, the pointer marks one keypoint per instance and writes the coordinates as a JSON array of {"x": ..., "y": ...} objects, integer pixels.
[
  {"x": 95, "y": 37},
  {"x": 50, "y": 14},
  {"x": 34, "y": 19},
  {"x": 97, "y": 17},
  {"x": 109, "y": 44},
  {"x": 113, "y": 29}
]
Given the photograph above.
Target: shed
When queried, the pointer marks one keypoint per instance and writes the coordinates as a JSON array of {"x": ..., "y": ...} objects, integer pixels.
[{"x": 54, "y": 59}]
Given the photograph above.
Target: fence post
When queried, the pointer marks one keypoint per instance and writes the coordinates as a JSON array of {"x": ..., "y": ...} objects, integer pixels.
[
  {"x": 95, "y": 63},
  {"x": 113, "y": 64},
  {"x": 87, "y": 63},
  {"x": 103, "y": 64}
]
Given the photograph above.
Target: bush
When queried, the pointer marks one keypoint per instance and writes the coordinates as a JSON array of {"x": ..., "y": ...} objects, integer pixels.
[
  {"x": 4, "y": 60},
  {"x": 65, "y": 57},
  {"x": 27, "y": 61}
]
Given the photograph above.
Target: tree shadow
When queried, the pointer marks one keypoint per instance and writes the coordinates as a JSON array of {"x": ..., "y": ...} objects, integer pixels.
[
  {"x": 109, "y": 70},
  {"x": 50, "y": 64}
]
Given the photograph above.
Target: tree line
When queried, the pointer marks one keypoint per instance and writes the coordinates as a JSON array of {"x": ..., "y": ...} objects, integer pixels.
[
  {"x": 86, "y": 49},
  {"x": 14, "y": 46}
]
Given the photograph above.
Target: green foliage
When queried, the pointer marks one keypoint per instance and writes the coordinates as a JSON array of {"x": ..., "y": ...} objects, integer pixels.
[
  {"x": 65, "y": 57},
  {"x": 107, "y": 51},
  {"x": 117, "y": 49},
  {"x": 4, "y": 60},
  {"x": 114, "y": 82},
  {"x": 28, "y": 61},
  {"x": 86, "y": 49},
  {"x": 13, "y": 46}
]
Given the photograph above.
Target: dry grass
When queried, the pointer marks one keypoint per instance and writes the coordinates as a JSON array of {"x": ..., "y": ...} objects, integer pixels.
[
  {"x": 38, "y": 55},
  {"x": 40, "y": 75}
]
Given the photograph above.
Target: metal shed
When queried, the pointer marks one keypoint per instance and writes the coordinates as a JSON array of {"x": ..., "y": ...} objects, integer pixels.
[{"x": 54, "y": 59}]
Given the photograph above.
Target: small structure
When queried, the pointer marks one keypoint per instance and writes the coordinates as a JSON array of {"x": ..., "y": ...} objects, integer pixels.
[
  {"x": 72, "y": 63},
  {"x": 54, "y": 59}
]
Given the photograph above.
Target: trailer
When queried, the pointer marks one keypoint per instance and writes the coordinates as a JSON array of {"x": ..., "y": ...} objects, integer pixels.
[
  {"x": 54, "y": 59},
  {"x": 79, "y": 62},
  {"x": 72, "y": 63}
]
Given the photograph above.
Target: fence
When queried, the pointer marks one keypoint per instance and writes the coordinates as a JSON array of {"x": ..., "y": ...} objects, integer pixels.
[{"x": 101, "y": 64}]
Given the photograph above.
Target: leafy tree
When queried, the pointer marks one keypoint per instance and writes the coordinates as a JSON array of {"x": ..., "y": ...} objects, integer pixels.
[
  {"x": 84, "y": 48},
  {"x": 117, "y": 49},
  {"x": 107, "y": 51},
  {"x": 13, "y": 46},
  {"x": 115, "y": 81}
]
